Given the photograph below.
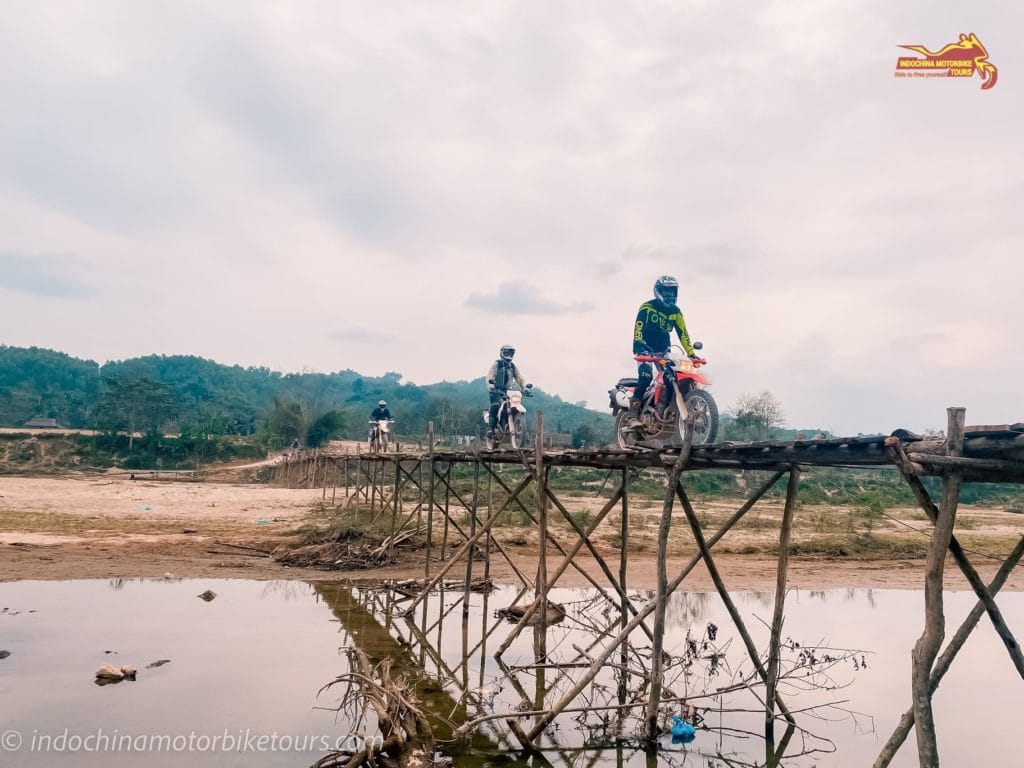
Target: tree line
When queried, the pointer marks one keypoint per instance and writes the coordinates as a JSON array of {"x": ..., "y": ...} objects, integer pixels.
[{"x": 193, "y": 396}]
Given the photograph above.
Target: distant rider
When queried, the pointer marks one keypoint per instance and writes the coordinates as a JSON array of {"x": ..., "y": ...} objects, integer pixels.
[
  {"x": 501, "y": 374},
  {"x": 381, "y": 412},
  {"x": 652, "y": 331}
]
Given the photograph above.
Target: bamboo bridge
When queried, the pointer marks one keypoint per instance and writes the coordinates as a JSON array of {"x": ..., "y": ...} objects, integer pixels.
[{"x": 415, "y": 491}]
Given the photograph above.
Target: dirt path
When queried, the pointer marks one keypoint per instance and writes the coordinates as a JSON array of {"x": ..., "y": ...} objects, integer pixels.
[{"x": 110, "y": 526}]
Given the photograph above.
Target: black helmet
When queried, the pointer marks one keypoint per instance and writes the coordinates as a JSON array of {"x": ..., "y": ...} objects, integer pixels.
[
  {"x": 507, "y": 352},
  {"x": 666, "y": 289}
]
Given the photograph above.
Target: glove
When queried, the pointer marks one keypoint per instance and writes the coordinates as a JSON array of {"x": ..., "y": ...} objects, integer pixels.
[{"x": 529, "y": 386}]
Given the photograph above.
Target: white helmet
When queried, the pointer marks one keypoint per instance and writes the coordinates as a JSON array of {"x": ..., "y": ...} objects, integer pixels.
[
  {"x": 666, "y": 289},
  {"x": 382, "y": 404}
]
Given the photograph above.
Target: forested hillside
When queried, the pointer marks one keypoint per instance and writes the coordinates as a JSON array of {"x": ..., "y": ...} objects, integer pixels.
[{"x": 183, "y": 393}]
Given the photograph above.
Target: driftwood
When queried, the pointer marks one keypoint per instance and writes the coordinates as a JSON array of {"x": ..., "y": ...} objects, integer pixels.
[{"x": 406, "y": 736}]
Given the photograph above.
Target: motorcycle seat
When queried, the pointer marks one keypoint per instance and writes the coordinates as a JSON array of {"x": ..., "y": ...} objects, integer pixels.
[{"x": 627, "y": 382}]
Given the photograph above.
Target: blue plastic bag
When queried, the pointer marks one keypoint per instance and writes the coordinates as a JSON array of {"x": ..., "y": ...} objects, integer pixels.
[{"x": 682, "y": 731}]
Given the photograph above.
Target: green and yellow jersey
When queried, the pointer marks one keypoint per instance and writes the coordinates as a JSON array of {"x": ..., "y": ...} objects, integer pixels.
[{"x": 653, "y": 329}]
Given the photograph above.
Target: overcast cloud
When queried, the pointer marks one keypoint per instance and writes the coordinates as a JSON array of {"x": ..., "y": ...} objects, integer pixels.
[{"x": 407, "y": 186}]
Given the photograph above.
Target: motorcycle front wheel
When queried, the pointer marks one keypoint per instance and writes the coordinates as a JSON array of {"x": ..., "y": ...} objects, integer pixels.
[
  {"x": 704, "y": 411},
  {"x": 384, "y": 443},
  {"x": 515, "y": 429}
]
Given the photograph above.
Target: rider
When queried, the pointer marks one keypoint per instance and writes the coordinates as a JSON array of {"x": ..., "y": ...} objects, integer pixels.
[
  {"x": 502, "y": 373},
  {"x": 380, "y": 413},
  {"x": 652, "y": 331}
]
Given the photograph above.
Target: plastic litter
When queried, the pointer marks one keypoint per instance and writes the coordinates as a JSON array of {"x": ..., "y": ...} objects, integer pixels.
[{"x": 682, "y": 731}]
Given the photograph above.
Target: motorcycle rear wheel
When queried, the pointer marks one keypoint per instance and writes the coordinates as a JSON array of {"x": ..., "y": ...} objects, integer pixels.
[{"x": 626, "y": 438}]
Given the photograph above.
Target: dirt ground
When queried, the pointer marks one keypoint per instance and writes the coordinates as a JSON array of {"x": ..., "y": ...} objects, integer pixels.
[{"x": 106, "y": 526}]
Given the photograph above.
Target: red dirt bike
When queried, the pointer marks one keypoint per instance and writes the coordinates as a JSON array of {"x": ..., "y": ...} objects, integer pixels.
[{"x": 676, "y": 389}]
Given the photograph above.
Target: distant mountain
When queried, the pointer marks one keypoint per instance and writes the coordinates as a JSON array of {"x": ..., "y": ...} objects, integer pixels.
[{"x": 213, "y": 398}]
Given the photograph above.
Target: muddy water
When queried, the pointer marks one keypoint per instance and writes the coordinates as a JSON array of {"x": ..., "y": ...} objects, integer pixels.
[{"x": 240, "y": 688}]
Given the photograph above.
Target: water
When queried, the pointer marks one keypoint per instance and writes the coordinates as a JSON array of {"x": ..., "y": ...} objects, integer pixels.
[{"x": 242, "y": 684}]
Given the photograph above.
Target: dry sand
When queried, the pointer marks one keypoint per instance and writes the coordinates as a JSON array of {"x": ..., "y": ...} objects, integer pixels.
[{"x": 109, "y": 526}]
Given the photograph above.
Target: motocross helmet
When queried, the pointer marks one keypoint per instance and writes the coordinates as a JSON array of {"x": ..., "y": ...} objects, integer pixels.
[
  {"x": 382, "y": 404},
  {"x": 507, "y": 352},
  {"x": 666, "y": 289}
]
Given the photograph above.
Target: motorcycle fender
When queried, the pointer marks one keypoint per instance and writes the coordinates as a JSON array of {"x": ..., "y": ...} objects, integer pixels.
[
  {"x": 519, "y": 408},
  {"x": 696, "y": 377}
]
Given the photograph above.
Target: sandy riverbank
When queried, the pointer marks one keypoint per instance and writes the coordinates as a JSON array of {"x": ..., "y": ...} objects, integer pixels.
[{"x": 108, "y": 526}]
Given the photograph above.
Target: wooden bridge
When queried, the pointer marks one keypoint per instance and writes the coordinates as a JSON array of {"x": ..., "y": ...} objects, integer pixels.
[{"x": 415, "y": 491}]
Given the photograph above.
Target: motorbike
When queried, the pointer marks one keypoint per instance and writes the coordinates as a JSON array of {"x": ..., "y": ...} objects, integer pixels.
[
  {"x": 509, "y": 428},
  {"x": 676, "y": 391},
  {"x": 380, "y": 435}
]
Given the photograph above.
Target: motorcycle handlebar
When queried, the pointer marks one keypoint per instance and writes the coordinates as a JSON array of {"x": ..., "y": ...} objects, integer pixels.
[{"x": 697, "y": 361}]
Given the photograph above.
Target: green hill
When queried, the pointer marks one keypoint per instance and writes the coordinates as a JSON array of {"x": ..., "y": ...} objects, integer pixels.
[{"x": 200, "y": 396}]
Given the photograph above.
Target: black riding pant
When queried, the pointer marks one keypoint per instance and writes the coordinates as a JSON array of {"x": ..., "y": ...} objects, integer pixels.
[
  {"x": 495, "y": 404},
  {"x": 644, "y": 377}
]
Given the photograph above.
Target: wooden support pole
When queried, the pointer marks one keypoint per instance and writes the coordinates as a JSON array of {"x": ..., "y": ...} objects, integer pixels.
[
  {"x": 566, "y": 561},
  {"x": 561, "y": 550},
  {"x": 944, "y": 661},
  {"x": 602, "y": 657},
  {"x": 624, "y": 601},
  {"x": 395, "y": 509},
  {"x": 430, "y": 498},
  {"x": 540, "y": 472},
  {"x": 651, "y": 728},
  {"x": 771, "y": 757},
  {"x": 466, "y": 546},
  {"x": 927, "y": 646},
  {"x": 497, "y": 545},
  {"x": 730, "y": 606},
  {"x": 446, "y": 523},
  {"x": 924, "y": 499},
  {"x": 472, "y": 534},
  {"x": 601, "y": 562}
]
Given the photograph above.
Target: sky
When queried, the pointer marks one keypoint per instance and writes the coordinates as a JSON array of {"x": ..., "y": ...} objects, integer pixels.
[{"x": 406, "y": 186}]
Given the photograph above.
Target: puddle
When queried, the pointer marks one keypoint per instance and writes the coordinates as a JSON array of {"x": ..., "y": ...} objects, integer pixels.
[{"x": 234, "y": 681}]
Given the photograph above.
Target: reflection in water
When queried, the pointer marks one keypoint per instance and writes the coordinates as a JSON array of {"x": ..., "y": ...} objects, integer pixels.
[
  {"x": 254, "y": 659},
  {"x": 845, "y": 662}
]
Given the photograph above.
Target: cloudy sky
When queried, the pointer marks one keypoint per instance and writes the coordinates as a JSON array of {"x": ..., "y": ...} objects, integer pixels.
[{"x": 406, "y": 186}]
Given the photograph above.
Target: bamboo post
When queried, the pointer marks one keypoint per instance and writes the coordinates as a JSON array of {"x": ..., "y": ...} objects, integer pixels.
[
  {"x": 566, "y": 562},
  {"x": 465, "y": 547},
  {"x": 430, "y": 498},
  {"x": 771, "y": 758},
  {"x": 447, "y": 511},
  {"x": 651, "y": 728},
  {"x": 542, "y": 514},
  {"x": 487, "y": 550},
  {"x": 924, "y": 500},
  {"x": 472, "y": 534},
  {"x": 395, "y": 509},
  {"x": 946, "y": 659},
  {"x": 927, "y": 646},
  {"x": 605, "y": 654},
  {"x": 624, "y": 596},
  {"x": 730, "y": 606}
]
